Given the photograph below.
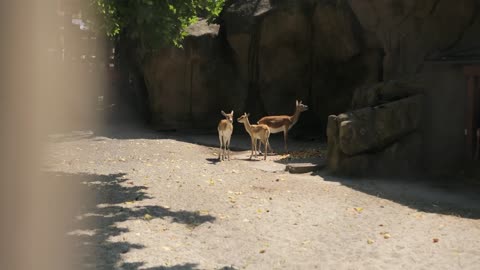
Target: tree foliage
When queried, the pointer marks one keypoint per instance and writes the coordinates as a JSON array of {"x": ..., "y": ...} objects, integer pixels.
[{"x": 153, "y": 23}]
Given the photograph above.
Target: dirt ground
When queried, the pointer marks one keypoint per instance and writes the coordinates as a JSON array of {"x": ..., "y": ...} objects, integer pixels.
[{"x": 163, "y": 201}]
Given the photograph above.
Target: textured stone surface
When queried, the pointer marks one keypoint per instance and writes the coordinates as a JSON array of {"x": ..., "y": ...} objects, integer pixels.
[
  {"x": 411, "y": 30},
  {"x": 188, "y": 87},
  {"x": 335, "y": 55},
  {"x": 373, "y": 128},
  {"x": 384, "y": 139}
]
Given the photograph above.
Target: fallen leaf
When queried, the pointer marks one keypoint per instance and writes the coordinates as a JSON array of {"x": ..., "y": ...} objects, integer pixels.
[
  {"x": 386, "y": 236},
  {"x": 262, "y": 251},
  {"x": 435, "y": 240},
  {"x": 147, "y": 217},
  {"x": 358, "y": 209},
  {"x": 370, "y": 241}
]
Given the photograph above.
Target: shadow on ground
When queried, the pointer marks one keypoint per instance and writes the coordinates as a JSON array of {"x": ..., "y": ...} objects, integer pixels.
[
  {"x": 102, "y": 209},
  {"x": 441, "y": 196},
  {"x": 188, "y": 266}
]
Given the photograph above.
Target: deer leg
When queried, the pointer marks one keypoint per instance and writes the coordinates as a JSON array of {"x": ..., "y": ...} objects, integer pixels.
[
  {"x": 266, "y": 147},
  {"x": 269, "y": 147},
  {"x": 224, "y": 148},
  {"x": 221, "y": 148},
  {"x": 285, "y": 136},
  {"x": 253, "y": 146},
  {"x": 228, "y": 148},
  {"x": 224, "y": 152},
  {"x": 259, "y": 147}
]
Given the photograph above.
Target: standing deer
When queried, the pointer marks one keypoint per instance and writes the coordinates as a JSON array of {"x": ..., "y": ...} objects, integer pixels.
[
  {"x": 256, "y": 132},
  {"x": 279, "y": 123},
  {"x": 225, "y": 130}
]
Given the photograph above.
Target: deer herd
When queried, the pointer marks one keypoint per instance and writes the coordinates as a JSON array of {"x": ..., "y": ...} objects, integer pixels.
[{"x": 258, "y": 133}]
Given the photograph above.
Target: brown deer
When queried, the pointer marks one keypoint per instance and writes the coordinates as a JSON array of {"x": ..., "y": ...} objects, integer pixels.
[
  {"x": 279, "y": 123},
  {"x": 225, "y": 130},
  {"x": 256, "y": 132}
]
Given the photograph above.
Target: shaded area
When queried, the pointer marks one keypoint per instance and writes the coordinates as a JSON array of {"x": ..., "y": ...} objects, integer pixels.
[
  {"x": 102, "y": 209},
  {"x": 240, "y": 139},
  {"x": 187, "y": 266},
  {"x": 456, "y": 197}
]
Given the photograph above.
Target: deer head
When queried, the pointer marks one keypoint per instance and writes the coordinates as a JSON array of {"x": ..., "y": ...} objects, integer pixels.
[
  {"x": 243, "y": 118},
  {"x": 228, "y": 116},
  {"x": 300, "y": 107}
]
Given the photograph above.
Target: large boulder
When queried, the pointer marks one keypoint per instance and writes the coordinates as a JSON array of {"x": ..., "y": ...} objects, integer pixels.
[
  {"x": 381, "y": 139},
  {"x": 373, "y": 128}
]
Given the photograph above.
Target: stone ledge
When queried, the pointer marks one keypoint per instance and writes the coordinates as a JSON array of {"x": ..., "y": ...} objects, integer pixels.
[{"x": 305, "y": 167}]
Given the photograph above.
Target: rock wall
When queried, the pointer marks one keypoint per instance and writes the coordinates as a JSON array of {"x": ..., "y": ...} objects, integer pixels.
[
  {"x": 408, "y": 31},
  {"x": 263, "y": 55},
  {"x": 188, "y": 87},
  {"x": 416, "y": 37},
  {"x": 373, "y": 59}
]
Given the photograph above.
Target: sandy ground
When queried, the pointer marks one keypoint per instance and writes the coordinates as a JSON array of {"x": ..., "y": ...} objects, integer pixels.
[{"x": 162, "y": 201}]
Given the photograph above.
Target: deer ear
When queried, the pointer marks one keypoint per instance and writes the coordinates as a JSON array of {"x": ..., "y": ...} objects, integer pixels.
[
  {"x": 248, "y": 114},
  {"x": 231, "y": 112},
  {"x": 296, "y": 102},
  {"x": 223, "y": 113}
]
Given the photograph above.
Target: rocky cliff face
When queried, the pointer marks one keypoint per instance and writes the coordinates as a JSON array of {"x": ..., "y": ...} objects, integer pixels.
[
  {"x": 188, "y": 87},
  {"x": 414, "y": 120},
  {"x": 408, "y": 31},
  {"x": 264, "y": 54}
]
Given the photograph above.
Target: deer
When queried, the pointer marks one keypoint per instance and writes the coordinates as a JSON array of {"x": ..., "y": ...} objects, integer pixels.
[
  {"x": 225, "y": 130},
  {"x": 279, "y": 123},
  {"x": 256, "y": 132}
]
